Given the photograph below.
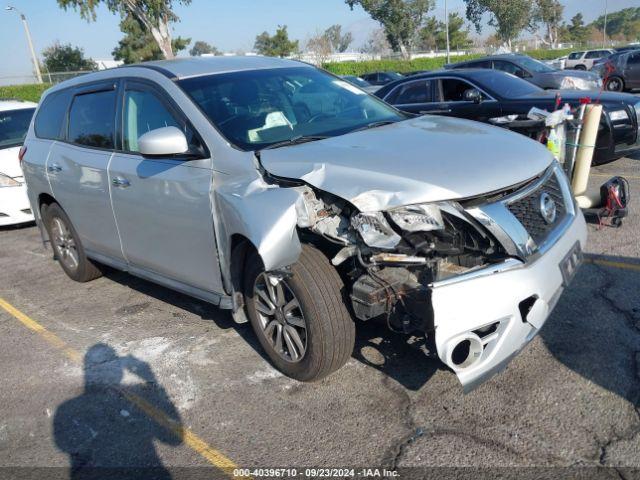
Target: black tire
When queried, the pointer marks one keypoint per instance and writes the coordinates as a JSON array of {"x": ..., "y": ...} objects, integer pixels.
[
  {"x": 330, "y": 331},
  {"x": 615, "y": 84},
  {"x": 77, "y": 267},
  {"x": 580, "y": 67}
]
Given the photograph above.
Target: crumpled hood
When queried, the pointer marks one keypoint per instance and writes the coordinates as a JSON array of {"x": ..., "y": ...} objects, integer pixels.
[
  {"x": 9, "y": 163},
  {"x": 425, "y": 159}
]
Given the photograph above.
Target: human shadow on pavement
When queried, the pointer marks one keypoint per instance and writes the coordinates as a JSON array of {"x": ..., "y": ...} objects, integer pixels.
[
  {"x": 595, "y": 328},
  {"x": 107, "y": 431}
]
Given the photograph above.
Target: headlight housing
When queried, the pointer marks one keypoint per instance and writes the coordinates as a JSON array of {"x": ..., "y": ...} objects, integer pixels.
[
  {"x": 7, "y": 181},
  {"x": 375, "y": 230},
  {"x": 418, "y": 218},
  {"x": 575, "y": 83}
]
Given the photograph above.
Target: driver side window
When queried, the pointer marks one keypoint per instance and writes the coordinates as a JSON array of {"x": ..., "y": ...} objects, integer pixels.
[
  {"x": 509, "y": 67},
  {"x": 453, "y": 90},
  {"x": 144, "y": 112}
]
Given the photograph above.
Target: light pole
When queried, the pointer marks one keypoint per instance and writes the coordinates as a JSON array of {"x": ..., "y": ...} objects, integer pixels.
[
  {"x": 446, "y": 24},
  {"x": 34, "y": 59},
  {"x": 604, "y": 32}
]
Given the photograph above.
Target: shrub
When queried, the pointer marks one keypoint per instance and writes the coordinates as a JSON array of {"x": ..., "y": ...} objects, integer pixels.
[
  {"x": 31, "y": 93},
  {"x": 404, "y": 66}
]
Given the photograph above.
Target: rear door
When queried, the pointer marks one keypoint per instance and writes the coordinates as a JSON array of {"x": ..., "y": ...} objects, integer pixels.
[
  {"x": 415, "y": 96},
  {"x": 162, "y": 204},
  {"x": 77, "y": 168},
  {"x": 632, "y": 71}
]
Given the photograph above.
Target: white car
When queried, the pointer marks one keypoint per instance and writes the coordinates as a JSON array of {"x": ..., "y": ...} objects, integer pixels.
[
  {"x": 15, "y": 117},
  {"x": 584, "y": 60}
]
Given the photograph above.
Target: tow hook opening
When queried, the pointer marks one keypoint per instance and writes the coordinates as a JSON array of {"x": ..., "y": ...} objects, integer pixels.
[{"x": 526, "y": 305}]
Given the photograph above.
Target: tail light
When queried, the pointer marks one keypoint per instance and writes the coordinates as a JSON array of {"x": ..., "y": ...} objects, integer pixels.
[{"x": 21, "y": 153}]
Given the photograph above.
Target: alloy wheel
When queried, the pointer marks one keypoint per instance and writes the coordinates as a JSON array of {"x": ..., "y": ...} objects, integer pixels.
[
  {"x": 64, "y": 243},
  {"x": 614, "y": 85},
  {"x": 280, "y": 317}
]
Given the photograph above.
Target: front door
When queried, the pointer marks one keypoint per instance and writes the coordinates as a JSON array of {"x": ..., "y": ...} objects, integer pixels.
[{"x": 162, "y": 205}]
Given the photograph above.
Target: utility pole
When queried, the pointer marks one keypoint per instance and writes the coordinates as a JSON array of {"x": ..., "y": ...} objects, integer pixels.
[
  {"x": 604, "y": 32},
  {"x": 34, "y": 59},
  {"x": 446, "y": 24}
]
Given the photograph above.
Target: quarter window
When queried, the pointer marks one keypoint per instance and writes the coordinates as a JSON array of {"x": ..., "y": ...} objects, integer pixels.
[
  {"x": 51, "y": 115},
  {"x": 92, "y": 119}
]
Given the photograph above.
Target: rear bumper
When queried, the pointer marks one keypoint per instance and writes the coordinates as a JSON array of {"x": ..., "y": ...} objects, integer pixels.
[
  {"x": 487, "y": 306},
  {"x": 14, "y": 206}
]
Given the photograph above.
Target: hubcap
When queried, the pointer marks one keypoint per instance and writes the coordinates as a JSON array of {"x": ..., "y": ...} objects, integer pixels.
[
  {"x": 614, "y": 85},
  {"x": 64, "y": 243},
  {"x": 280, "y": 317}
]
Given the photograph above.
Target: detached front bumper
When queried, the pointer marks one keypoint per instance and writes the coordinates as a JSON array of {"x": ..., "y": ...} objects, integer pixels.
[
  {"x": 14, "y": 206},
  {"x": 484, "y": 318}
]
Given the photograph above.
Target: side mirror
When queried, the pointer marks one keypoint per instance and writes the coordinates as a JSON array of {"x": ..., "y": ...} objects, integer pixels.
[
  {"x": 163, "y": 141},
  {"x": 473, "y": 95}
]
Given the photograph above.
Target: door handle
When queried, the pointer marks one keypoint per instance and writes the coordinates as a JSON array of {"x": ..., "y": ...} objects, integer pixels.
[
  {"x": 120, "y": 182},
  {"x": 54, "y": 167}
]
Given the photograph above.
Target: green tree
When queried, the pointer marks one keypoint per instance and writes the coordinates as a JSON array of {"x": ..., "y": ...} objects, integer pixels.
[
  {"x": 277, "y": 45},
  {"x": 578, "y": 32},
  {"x": 339, "y": 41},
  {"x": 433, "y": 35},
  {"x": 155, "y": 16},
  {"x": 549, "y": 13},
  {"x": 203, "y": 48},
  {"x": 508, "y": 17},
  {"x": 138, "y": 45},
  {"x": 66, "y": 58},
  {"x": 623, "y": 23},
  {"x": 401, "y": 19}
]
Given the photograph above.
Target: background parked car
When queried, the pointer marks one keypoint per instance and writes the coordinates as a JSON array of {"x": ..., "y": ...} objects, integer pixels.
[
  {"x": 381, "y": 78},
  {"x": 633, "y": 46},
  {"x": 621, "y": 71},
  {"x": 536, "y": 72},
  {"x": 557, "y": 63},
  {"x": 15, "y": 117},
  {"x": 584, "y": 60},
  {"x": 500, "y": 98},
  {"x": 359, "y": 82}
]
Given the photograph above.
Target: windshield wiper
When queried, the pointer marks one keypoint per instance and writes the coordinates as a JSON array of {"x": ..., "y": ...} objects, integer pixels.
[
  {"x": 295, "y": 141},
  {"x": 374, "y": 125}
]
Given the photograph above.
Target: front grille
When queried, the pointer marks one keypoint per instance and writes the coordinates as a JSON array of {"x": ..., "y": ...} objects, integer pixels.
[{"x": 527, "y": 209}]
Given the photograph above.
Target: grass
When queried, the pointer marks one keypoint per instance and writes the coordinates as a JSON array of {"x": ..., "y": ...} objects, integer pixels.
[
  {"x": 30, "y": 92},
  {"x": 404, "y": 66}
]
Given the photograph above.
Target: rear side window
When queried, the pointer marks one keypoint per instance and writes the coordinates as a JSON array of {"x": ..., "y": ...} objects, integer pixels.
[
  {"x": 92, "y": 119},
  {"x": 51, "y": 115},
  {"x": 412, "y": 93}
]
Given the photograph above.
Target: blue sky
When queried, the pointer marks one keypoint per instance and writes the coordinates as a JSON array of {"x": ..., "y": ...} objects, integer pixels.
[{"x": 230, "y": 25}]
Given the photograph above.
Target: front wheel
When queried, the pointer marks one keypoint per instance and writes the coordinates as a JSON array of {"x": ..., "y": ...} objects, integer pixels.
[
  {"x": 615, "y": 84},
  {"x": 300, "y": 319}
]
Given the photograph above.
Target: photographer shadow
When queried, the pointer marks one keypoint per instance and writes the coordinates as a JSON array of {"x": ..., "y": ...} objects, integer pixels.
[{"x": 107, "y": 431}]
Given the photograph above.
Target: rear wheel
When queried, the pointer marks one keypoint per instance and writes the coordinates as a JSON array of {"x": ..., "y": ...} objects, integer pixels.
[
  {"x": 301, "y": 319},
  {"x": 615, "y": 84},
  {"x": 580, "y": 67},
  {"x": 66, "y": 246}
]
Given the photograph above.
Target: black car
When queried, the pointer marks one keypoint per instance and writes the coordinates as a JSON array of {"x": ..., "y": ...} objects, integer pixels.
[
  {"x": 620, "y": 71},
  {"x": 381, "y": 78},
  {"x": 500, "y": 98},
  {"x": 534, "y": 71}
]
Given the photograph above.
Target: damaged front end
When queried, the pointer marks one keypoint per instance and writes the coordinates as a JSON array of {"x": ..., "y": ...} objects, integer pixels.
[{"x": 477, "y": 277}]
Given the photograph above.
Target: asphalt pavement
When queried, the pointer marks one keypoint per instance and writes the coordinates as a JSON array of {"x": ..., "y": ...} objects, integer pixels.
[{"x": 119, "y": 372}]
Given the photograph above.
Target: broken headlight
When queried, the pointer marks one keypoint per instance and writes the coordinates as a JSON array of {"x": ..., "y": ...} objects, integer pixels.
[
  {"x": 418, "y": 218},
  {"x": 375, "y": 230}
]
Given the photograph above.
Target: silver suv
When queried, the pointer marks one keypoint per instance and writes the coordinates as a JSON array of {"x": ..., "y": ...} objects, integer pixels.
[{"x": 301, "y": 203}]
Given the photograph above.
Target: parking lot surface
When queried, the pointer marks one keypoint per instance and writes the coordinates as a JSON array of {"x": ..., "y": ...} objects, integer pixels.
[{"x": 121, "y": 372}]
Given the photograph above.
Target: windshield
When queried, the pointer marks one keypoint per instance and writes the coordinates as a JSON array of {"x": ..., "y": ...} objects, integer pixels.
[
  {"x": 258, "y": 108},
  {"x": 504, "y": 84},
  {"x": 357, "y": 81},
  {"x": 532, "y": 65},
  {"x": 13, "y": 126}
]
